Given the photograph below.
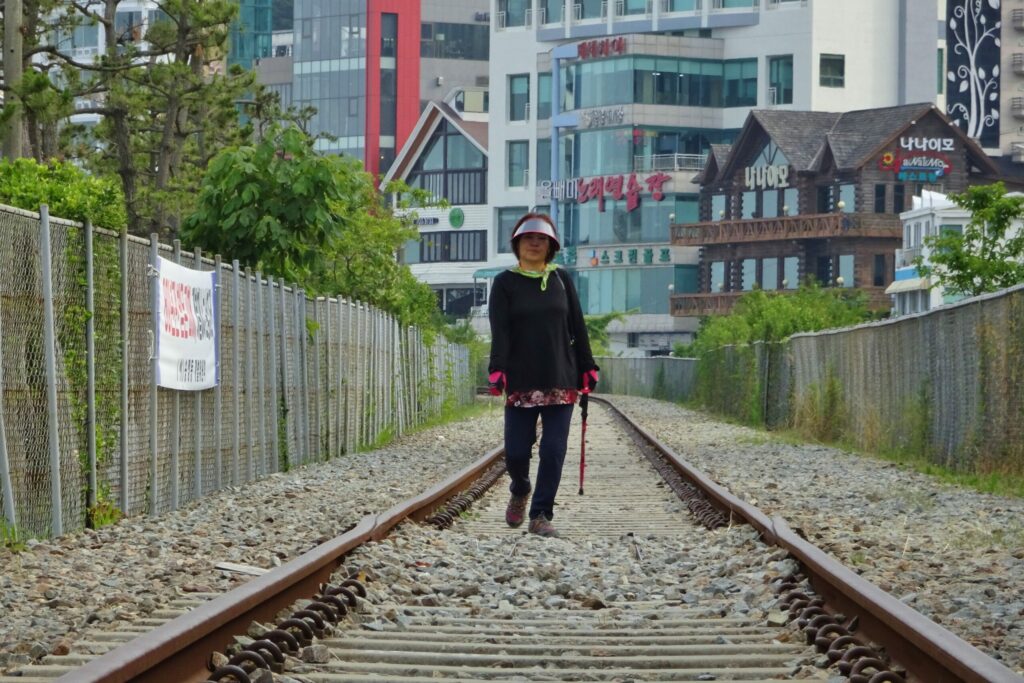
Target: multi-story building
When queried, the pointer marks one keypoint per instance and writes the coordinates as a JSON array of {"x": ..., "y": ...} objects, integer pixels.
[
  {"x": 368, "y": 67},
  {"x": 817, "y": 196},
  {"x": 931, "y": 215},
  {"x": 250, "y": 38},
  {"x": 447, "y": 155},
  {"x": 646, "y": 89}
]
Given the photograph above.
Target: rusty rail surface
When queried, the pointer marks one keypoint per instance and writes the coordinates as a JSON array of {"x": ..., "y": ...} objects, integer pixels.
[
  {"x": 180, "y": 649},
  {"x": 929, "y": 652}
]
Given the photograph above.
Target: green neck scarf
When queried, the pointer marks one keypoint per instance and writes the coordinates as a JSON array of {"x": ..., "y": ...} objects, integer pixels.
[{"x": 542, "y": 275}]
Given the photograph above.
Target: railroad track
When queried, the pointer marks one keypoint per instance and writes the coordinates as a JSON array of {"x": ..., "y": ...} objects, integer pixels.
[{"x": 645, "y": 585}]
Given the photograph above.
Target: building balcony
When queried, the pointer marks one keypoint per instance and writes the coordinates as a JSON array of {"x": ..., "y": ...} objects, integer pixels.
[
  {"x": 735, "y": 5},
  {"x": 718, "y": 303},
  {"x": 681, "y": 7},
  {"x": 807, "y": 226},
  {"x": 1017, "y": 107},
  {"x": 905, "y": 257},
  {"x": 669, "y": 162}
]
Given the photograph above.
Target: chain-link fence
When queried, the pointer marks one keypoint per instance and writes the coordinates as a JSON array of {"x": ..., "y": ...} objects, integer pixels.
[
  {"x": 300, "y": 380},
  {"x": 663, "y": 377},
  {"x": 946, "y": 386}
]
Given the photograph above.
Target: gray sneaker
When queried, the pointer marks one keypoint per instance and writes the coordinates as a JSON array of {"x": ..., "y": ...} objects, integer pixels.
[{"x": 542, "y": 527}]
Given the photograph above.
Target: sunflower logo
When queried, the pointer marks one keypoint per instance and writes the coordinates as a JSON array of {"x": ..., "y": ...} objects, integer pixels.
[{"x": 887, "y": 162}]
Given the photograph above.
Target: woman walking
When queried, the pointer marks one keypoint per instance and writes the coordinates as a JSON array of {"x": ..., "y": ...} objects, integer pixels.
[{"x": 541, "y": 358}]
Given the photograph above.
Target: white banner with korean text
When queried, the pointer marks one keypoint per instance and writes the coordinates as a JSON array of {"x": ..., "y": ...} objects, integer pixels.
[{"x": 186, "y": 313}]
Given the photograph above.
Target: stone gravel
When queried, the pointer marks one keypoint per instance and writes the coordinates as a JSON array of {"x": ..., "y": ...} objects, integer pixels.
[{"x": 952, "y": 554}]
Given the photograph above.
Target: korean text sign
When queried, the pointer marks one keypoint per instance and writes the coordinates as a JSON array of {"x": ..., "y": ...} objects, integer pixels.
[{"x": 187, "y": 319}]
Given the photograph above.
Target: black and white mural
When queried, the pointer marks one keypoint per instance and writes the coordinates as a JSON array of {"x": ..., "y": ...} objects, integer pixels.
[{"x": 972, "y": 68}]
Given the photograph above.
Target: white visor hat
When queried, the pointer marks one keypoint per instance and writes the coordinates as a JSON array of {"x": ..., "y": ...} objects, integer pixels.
[{"x": 537, "y": 225}]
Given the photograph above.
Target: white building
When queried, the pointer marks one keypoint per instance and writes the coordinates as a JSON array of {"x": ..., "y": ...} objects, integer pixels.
[
  {"x": 646, "y": 89},
  {"x": 932, "y": 214}
]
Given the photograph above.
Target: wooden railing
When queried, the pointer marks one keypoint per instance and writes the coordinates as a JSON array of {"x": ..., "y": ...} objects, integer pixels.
[
  {"x": 806, "y": 226},
  {"x": 718, "y": 303}
]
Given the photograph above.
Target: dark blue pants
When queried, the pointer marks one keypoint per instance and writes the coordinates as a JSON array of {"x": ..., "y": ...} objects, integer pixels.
[{"x": 520, "y": 435}]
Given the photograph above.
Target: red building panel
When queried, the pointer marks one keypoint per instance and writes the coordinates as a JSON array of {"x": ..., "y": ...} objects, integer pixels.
[{"x": 407, "y": 62}]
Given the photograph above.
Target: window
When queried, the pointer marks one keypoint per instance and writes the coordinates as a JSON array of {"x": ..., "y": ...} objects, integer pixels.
[
  {"x": 454, "y": 41},
  {"x": 770, "y": 274},
  {"x": 452, "y": 167},
  {"x": 544, "y": 96},
  {"x": 879, "y": 278},
  {"x": 518, "y": 163},
  {"x": 453, "y": 245},
  {"x": 749, "y": 274},
  {"x": 741, "y": 83},
  {"x": 791, "y": 272},
  {"x": 718, "y": 280},
  {"x": 897, "y": 198},
  {"x": 507, "y": 218},
  {"x": 942, "y": 70},
  {"x": 846, "y": 270},
  {"x": 718, "y": 207},
  {"x": 824, "y": 196},
  {"x": 388, "y": 34},
  {"x": 519, "y": 97},
  {"x": 880, "y": 197},
  {"x": 543, "y": 159},
  {"x": 780, "y": 79},
  {"x": 848, "y": 196},
  {"x": 832, "y": 69},
  {"x": 513, "y": 11}
]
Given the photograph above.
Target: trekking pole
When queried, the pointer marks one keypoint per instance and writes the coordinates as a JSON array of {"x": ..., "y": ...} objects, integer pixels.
[{"x": 583, "y": 438}]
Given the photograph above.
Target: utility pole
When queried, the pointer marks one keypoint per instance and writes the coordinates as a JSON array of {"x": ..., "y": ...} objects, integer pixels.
[{"x": 13, "y": 20}]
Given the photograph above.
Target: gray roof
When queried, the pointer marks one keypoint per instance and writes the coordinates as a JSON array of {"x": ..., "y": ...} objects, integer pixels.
[
  {"x": 857, "y": 134},
  {"x": 799, "y": 134}
]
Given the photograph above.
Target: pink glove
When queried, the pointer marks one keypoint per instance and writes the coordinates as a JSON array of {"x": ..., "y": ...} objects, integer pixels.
[
  {"x": 589, "y": 381},
  {"x": 498, "y": 382}
]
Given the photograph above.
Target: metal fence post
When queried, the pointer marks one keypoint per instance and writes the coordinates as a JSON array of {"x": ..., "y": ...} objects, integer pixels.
[
  {"x": 275, "y": 444},
  {"x": 123, "y": 259},
  {"x": 5, "y": 465},
  {"x": 49, "y": 351},
  {"x": 289, "y": 409},
  {"x": 154, "y": 359},
  {"x": 261, "y": 376},
  {"x": 176, "y": 418},
  {"x": 90, "y": 361},
  {"x": 197, "y": 418},
  {"x": 235, "y": 382},
  {"x": 253, "y": 469},
  {"x": 299, "y": 302},
  {"x": 317, "y": 426},
  {"x": 331, "y": 431},
  {"x": 218, "y": 398}
]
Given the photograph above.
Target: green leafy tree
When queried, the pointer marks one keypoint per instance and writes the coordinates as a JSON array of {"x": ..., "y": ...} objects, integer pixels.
[
  {"x": 165, "y": 106},
  {"x": 772, "y": 316},
  {"x": 989, "y": 254},
  {"x": 316, "y": 220},
  {"x": 597, "y": 330},
  {"x": 67, "y": 190}
]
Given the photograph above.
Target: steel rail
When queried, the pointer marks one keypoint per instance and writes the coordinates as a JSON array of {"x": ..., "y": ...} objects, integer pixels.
[
  {"x": 929, "y": 652},
  {"x": 180, "y": 649}
]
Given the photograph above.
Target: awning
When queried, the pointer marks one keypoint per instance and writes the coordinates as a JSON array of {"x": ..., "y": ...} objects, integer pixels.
[
  {"x": 909, "y": 285},
  {"x": 487, "y": 273}
]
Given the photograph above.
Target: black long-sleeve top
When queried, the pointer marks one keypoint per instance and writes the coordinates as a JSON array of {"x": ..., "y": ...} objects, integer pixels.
[{"x": 538, "y": 338}]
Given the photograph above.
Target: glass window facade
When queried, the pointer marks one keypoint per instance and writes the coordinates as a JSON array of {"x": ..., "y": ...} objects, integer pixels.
[
  {"x": 250, "y": 37},
  {"x": 661, "y": 80},
  {"x": 640, "y": 290},
  {"x": 440, "y": 40},
  {"x": 512, "y": 12},
  {"x": 330, "y": 71},
  {"x": 584, "y": 225},
  {"x": 780, "y": 79},
  {"x": 451, "y": 167},
  {"x": 544, "y": 95},
  {"x": 448, "y": 247},
  {"x": 623, "y": 150}
]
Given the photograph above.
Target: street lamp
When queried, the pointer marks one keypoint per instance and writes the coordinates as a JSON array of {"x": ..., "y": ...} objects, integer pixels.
[
  {"x": 839, "y": 281},
  {"x": 840, "y": 205}
]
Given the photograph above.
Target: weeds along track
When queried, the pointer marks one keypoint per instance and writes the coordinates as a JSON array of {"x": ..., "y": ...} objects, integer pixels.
[{"x": 659, "y": 575}]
